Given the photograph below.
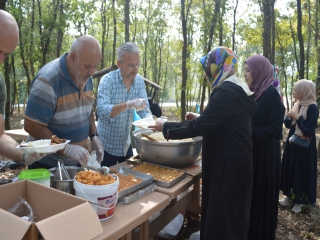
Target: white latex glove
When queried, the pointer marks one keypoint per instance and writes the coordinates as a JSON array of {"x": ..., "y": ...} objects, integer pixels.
[
  {"x": 30, "y": 158},
  {"x": 78, "y": 153},
  {"x": 97, "y": 146},
  {"x": 138, "y": 104}
]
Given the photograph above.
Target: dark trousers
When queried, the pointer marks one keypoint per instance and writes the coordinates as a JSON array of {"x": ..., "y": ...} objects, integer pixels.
[{"x": 110, "y": 160}]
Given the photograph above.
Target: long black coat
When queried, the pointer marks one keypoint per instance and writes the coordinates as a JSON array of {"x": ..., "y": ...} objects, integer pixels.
[
  {"x": 299, "y": 165},
  {"x": 226, "y": 161},
  {"x": 266, "y": 130}
]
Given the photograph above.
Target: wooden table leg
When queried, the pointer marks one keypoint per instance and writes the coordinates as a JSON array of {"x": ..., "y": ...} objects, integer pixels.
[
  {"x": 194, "y": 209},
  {"x": 128, "y": 236},
  {"x": 144, "y": 230}
]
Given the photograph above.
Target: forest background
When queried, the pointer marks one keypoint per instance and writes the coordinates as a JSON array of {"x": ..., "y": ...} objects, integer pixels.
[{"x": 172, "y": 34}]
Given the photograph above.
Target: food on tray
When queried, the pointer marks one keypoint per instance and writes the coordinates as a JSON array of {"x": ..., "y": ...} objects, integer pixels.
[
  {"x": 158, "y": 173},
  {"x": 127, "y": 181},
  {"x": 94, "y": 178},
  {"x": 159, "y": 137},
  {"x": 56, "y": 140}
]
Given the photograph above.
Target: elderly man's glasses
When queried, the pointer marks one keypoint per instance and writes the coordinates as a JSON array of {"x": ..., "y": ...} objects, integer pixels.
[{"x": 131, "y": 66}]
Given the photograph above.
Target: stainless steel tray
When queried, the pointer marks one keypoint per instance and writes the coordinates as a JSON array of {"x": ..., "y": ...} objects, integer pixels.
[
  {"x": 166, "y": 184},
  {"x": 136, "y": 194},
  {"x": 147, "y": 179}
]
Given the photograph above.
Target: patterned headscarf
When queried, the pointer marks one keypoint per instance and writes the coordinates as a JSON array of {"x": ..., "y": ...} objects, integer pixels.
[
  {"x": 219, "y": 64},
  {"x": 262, "y": 74}
]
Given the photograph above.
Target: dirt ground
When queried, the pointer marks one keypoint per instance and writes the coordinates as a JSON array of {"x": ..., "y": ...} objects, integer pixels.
[{"x": 291, "y": 226}]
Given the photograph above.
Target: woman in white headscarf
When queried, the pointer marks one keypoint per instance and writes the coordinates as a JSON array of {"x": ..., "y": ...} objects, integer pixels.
[{"x": 299, "y": 165}]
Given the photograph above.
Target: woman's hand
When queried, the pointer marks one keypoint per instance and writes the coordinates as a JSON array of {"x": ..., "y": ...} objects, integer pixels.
[
  {"x": 293, "y": 115},
  {"x": 190, "y": 116},
  {"x": 157, "y": 127}
]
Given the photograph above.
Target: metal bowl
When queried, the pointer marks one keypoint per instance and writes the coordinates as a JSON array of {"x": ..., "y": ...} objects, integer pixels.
[
  {"x": 64, "y": 185},
  {"x": 170, "y": 154}
]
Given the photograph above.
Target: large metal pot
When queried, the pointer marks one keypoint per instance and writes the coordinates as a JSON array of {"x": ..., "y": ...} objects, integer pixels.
[
  {"x": 64, "y": 185},
  {"x": 170, "y": 154}
]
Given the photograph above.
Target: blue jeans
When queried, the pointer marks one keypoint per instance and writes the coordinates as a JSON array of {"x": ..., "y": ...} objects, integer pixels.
[{"x": 110, "y": 160}]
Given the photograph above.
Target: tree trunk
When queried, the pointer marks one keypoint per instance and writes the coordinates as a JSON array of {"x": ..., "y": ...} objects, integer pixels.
[
  {"x": 14, "y": 92},
  {"x": 300, "y": 38},
  {"x": 146, "y": 42},
  {"x": 309, "y": 39},
  {"x": 317, "y": 40},
  {"x": 7, "y": 81},
  {"x": 234, "y": 24},
  {"x": 114, "y": 32},
  {"x": 214, "y": 20},
  {"x": 267, "y": 28},
  {"x": 184, "y": 20},
  {"x": 126, "y": 20},
  {"x": 273, "y": 34},
  {"x": 103, "y": 30},
  {"x": 185, "y": 10},
  {"x": 294, "y": 45},
  {"x": 3, "y": 4},
  {"x": 60, "y": 32},
  {"x": 45, "y": 36},
  {"x": 284, "y": 72}
]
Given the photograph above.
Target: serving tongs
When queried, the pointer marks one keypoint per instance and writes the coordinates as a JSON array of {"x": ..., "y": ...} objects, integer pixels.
[
  {"x": 104, "y": 170},
  {"x": 62, "y": 168}
]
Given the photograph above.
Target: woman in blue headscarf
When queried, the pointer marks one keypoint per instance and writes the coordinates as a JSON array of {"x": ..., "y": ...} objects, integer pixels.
[{"x": 225, "y": 126}]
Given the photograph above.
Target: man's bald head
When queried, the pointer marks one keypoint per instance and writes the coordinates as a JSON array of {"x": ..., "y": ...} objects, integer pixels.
[
  {"x": 9, "y": 34},
  {"x": 83, "y": 58},
  {"x": 85, "y": 44}
]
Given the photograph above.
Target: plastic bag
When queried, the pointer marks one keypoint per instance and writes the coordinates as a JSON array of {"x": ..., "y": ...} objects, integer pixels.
[
  {"x": 23, "y": 210},
  {"x": 93, "y": 161},
  {"x": 173, "y": 227}
]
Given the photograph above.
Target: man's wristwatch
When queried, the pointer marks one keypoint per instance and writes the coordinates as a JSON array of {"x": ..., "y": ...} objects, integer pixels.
[
  {"x": 93, "y": 135},
  {"x": 24, "y": 160}
]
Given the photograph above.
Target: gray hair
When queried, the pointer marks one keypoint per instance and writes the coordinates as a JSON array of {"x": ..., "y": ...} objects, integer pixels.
[
  {"x": 127, "y": 47},
  {"x": 76, "y": 46}
]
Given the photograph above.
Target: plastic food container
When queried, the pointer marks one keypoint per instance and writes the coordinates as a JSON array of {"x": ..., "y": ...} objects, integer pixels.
[
  {"x": 39, "y": 175},
  {"x": 104, "y": 195}
]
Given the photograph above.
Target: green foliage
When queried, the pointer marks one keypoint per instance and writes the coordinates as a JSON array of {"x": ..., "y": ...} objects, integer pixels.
[{"x": 155, "y": 25}]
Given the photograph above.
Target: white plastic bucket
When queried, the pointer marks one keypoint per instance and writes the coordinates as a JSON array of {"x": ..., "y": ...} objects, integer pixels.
[{"x": 105, "y": 195}]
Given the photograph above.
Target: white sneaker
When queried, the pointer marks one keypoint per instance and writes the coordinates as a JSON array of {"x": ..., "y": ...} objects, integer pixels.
[
  {"x": 286, "y": 202},
  {"x": 297, "y": 208}
]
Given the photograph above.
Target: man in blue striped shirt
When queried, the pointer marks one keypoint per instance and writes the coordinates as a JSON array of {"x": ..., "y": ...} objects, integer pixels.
[
  {"x": 60, "y": 103},
  {"x": 119, "y": 93}
]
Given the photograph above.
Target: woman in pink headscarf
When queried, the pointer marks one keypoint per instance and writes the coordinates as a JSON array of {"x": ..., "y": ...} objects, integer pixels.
[
  {"x": 266, "y": 130},
  {"x": 299, "y": 165}
]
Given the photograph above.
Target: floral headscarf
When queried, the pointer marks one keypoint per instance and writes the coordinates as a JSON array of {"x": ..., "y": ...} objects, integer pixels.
[{"x": 219, "y": 64}]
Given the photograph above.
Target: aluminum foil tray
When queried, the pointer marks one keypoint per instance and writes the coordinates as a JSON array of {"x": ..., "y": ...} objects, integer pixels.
[
  {"x": 147, "y": 179},
  {"x": 163, "y": 183},
  {"x": 136, "y": 194}
]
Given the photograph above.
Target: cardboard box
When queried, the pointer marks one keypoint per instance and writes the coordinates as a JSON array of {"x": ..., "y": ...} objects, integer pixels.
[{"x": 58, "y": 215}]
